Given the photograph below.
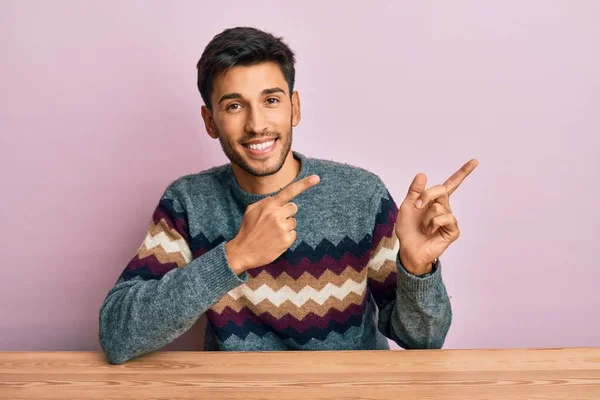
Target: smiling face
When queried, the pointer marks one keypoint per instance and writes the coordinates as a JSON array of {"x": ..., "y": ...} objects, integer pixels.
[{"x": 253, "y": 116}]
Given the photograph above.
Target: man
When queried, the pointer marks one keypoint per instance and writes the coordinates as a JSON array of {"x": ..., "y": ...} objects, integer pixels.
[{"x": 281, "y": 251}]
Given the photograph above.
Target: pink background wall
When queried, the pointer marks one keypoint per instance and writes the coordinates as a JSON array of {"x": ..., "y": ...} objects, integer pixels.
[{"x": 99, "y": 111}]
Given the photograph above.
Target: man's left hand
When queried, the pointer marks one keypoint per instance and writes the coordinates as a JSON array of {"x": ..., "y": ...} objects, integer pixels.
[{"x": 425, "y": 225}]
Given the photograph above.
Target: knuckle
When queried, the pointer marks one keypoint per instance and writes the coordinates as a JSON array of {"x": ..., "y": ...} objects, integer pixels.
[
  {"x": 280, "y": 228},
  {"x": 288, "y": 239},
  {"x": 285, "y": 192},
  {"x": 259, "y": 207}
]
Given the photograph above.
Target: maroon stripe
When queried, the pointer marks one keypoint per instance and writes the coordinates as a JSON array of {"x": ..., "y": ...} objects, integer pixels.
[
  {"x": 388, "y": 285},
  {"x": 287, "y": 321},
  {"x": 386, "y": 229},
  {"x": 315, "y": 269},
  {"x": 228, "y": 314},
  {"x": 160, "y": 213},
  {"x": 178, "y": 224},
  {"x": 200, "y": 252},
  {"x": 152, "y": 263}
]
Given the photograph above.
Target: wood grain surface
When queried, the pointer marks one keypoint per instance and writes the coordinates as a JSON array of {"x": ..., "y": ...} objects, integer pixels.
[{"x": 561, "y": 373}]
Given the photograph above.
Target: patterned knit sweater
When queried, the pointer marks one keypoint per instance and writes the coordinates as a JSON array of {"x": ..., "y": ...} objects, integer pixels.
[{"x": 340, "y": 286}]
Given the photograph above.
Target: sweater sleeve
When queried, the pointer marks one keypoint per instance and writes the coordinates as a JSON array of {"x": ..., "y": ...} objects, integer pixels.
[
  {"x": 414, "y": 311},
  {"x": 162, "y": 291}
]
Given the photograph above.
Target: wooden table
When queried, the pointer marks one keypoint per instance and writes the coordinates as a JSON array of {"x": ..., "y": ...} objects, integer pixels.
[{"x": 571, "y": 373}]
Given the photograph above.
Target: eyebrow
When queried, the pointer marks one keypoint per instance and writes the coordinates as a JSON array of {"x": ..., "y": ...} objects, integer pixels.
[{"x": 230, "y": 96}]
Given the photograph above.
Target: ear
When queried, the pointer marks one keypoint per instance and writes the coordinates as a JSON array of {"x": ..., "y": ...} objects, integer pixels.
[
  {"x": 296, "y": 114},
  {"x": 209, "y": 123}
]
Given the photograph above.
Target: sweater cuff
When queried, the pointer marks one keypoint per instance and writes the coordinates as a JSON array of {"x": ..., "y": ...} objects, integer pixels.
[
  {"x": 419, "y": 285},
  {"x": 217, "y": 275}
]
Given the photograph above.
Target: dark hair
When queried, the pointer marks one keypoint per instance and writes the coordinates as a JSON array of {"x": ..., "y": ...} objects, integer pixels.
[{"x": 242, "y": 46}]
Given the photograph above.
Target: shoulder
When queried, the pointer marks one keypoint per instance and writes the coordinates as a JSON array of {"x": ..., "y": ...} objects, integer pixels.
[
  {"x": 204, "y": 183},
  {"x": 342, "y": 177}
]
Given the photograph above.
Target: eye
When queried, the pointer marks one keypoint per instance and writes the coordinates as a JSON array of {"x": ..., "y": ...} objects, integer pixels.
[
  {"x": 233, "y": 107},
  {"x": 272, "y": 100}
]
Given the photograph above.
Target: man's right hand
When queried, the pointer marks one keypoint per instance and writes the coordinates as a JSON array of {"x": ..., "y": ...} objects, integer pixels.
[{"x": 267, "y": 229}]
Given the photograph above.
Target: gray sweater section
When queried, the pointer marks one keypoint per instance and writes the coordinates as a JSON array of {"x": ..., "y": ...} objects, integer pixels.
[{"x": 146, "y": 310}]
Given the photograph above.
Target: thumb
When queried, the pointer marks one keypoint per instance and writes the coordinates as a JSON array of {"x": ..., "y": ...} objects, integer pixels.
[{"x": 417, "y": 187}]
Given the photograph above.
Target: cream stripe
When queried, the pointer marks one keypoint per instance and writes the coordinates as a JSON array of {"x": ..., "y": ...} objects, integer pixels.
[
  {"x": 306, "y": 279},
  {"x": 384, "y": 254},
  {"x": 170, "y": 246},
  {"x": 287, "y": 308},
  {"x": 278, "y": 297}
]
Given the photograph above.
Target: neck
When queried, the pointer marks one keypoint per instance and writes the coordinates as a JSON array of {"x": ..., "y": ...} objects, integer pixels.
[{"x": 271, "y": 183}]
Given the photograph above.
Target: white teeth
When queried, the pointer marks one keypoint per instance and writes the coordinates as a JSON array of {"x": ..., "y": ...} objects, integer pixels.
[{"x": 261, "y": 146}]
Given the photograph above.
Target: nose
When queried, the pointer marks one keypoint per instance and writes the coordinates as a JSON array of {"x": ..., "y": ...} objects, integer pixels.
[{"x": 256, "y": 122}]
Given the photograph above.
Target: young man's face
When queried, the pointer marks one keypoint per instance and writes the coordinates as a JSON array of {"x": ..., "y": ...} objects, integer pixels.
[{"x": 252, "y": 116}]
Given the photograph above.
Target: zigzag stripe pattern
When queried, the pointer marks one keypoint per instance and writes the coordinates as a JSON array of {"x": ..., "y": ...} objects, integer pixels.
[
  {"x": 168, "y": 246},
  {"x": 287, "y": 308},
  {"x": 385, "y": 219},
  {"x": 309, "y": 293},
  {"x": 298, "y": 298},
  {"x": 200, "y": 244},
  {"x": 283, "y": 324},
  {"x": 314, "y": 268},
  {"x": 262, "y": 329},
  {"x": 147, "y": 268},
  {"x": 349, "y": 340},
  {"x": 316, "y": 260},
  {"x": 304, "y": 295},
  {"x": 164, "y": 246},
  {"x": 306, "y": 279},
  {"x": 386, "y": 251},
  {"x": 382, "y": 267},
  {"x": 176, "y": 220},
  {"x": 344, "y": 248}
]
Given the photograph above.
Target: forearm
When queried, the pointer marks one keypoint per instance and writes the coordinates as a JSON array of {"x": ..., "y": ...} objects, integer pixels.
[
  {"x": 140, "y": 316},
  {"x": 422, "y": 313}
]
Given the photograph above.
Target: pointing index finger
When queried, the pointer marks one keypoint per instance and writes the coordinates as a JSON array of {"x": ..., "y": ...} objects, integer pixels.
[
  {"x": 293, "y": 190},
  {"x": 459, "y": 176}
]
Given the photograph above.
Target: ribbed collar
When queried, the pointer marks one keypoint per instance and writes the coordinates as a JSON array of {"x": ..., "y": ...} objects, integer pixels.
[{"x": 249, "y": 198}]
